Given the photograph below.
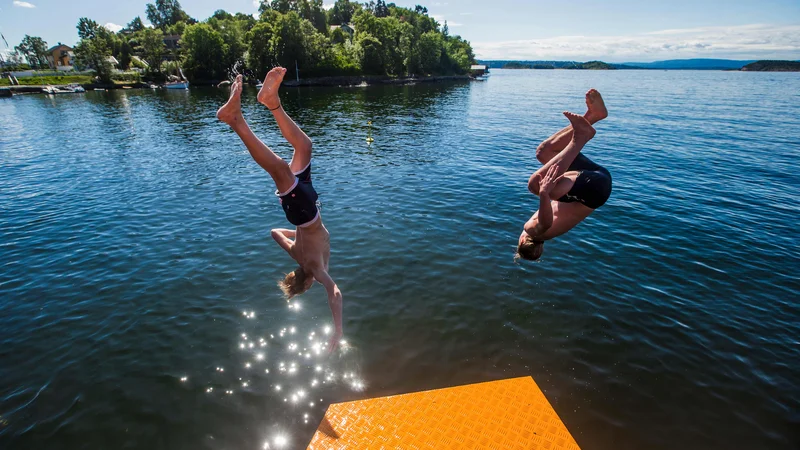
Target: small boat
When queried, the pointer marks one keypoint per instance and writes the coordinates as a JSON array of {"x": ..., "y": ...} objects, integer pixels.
[
  {"x": 69, "y": 89},
  {"x": 177, "y": 85},
  {"x": 260, "y": 84}
]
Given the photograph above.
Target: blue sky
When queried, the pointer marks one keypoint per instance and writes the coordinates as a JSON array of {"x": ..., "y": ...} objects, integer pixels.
[{"x": 611, "y": 30}]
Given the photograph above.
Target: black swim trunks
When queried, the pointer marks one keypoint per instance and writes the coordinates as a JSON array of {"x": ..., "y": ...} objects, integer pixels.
[
  {"x": 300, "y": 202},
  {"x": 593, "y": 185}
]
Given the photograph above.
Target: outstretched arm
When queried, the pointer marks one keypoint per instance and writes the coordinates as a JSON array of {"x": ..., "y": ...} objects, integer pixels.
[
  {"x": 536, "y": 227},
  {"x": 282, "y": 237},
  {"x": 543, "y": 222},
  {"x": 335, "y": 303}
]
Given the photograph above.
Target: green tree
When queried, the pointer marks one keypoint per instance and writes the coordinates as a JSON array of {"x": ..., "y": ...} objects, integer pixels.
[
  {"x": 34, "y": 50},
  {"x": 287, "y": 39},
  {"x": 342, "y": 12},
  {"x": 313, "y": 11},
  {"x": 346, "y": 59},
  {"x": 204, "y": 52},
  {"x": 233, "y": 30},
  {"x": 125, "y": 55},
  {"x": 338, "y": 36},
  {"x": 93, "y": 53},
  {"x": 381, "y": 10},
  {"x": 281, "y": 6},
  {"x": 175, "y": 29},
  {"x": 318, "y": 55},
  {"x": 408, "y": 48},
  {"x": 221, "y": 14},
  {"x": 371, "y": 54},
  {"x": 152, "y": 48},
  {"x": 259, "y": 52},
  {"x": 88, "y": 28},
  {"x": 245, "y": 21},
  {"x": 165, "y": 13},
  {"x": 460, "y": 55},
  {"x": 135, "y": 25},
  {"x": 430, "y": 51}
]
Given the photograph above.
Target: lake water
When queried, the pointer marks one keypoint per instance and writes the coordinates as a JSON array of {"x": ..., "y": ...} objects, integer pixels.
[{"x": 138, "y": 301}]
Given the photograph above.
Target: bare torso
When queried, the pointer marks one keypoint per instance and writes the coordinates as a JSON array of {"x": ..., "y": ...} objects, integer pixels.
[
  {"x": 565, "y": 217},
  {"x": 312, "y": 246}
]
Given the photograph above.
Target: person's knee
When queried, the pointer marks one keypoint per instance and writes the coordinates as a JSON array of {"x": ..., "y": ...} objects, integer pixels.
[
  {"x": 533, "y": 184},
  {"x": 542, "y": 152},
  {"x": 306, "y": 145}
]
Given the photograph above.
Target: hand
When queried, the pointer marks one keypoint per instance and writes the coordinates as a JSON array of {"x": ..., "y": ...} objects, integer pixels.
[
  {"x": 333, "y": 342},
  {"x": 549, "y": 180}
]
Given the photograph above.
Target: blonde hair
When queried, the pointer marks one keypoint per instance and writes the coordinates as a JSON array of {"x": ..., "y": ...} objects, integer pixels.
[
  {"x": 294, "y": 283},
  {"x": 529, "y": 250}
]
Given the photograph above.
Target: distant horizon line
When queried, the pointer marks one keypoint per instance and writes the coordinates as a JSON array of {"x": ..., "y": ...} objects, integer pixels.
[{"x": 600, "y": 59}]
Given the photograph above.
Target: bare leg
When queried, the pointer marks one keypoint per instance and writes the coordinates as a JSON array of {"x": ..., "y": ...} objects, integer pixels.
[
  {"x": 296, "y": 137},
  {"x": 596, "y": 111},
  {"x": 231, "y": 113},
  {"x": 581, "y": 134}
]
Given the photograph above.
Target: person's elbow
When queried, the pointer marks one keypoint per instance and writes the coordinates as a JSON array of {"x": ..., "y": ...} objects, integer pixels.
[{"x": 536, "y": 228}]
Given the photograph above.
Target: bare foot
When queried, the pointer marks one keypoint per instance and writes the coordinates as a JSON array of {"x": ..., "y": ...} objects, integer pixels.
[
  {"x": 231, "y": 112},
  {"x": 582, "y": 129},
  {"x": 597, "y": 107},
  {"x": 268, "y": 95}
]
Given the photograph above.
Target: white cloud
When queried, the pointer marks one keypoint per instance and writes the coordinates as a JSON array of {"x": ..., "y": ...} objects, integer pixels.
[
  {"x": 327, "y": 6},
  {"x": 465, "y": 14},
  {"x": 736, "y": 42},
  {"x": 256, "y": 3},
  {"x": 112, "y": 27},
  {"x": 442, "y": 20},
  {"x": 24, "y": 4}
]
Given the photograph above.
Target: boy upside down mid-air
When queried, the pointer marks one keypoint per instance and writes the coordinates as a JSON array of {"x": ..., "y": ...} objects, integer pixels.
[
  {"x": 311, "y": 246},
  {"x": 569, "y": 185}
]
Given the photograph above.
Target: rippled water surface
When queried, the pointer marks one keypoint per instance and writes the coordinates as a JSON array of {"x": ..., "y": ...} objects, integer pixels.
[{"x": 138, "y": 303}]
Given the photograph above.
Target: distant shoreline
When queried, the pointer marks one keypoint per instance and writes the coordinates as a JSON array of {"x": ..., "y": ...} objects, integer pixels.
[
  {"x": 772, "y": 66},
  {"x": 676, "y": 64},
  {"x": 367, "y": 80},
  {"x": 348, "y": 81}
]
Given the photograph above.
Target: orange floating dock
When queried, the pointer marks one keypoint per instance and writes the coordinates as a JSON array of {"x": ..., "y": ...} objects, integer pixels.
[{"x": 498, "y": 415}]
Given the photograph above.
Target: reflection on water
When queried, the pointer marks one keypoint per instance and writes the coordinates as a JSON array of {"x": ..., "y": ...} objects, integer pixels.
[{"x": 287, "y": 364}]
